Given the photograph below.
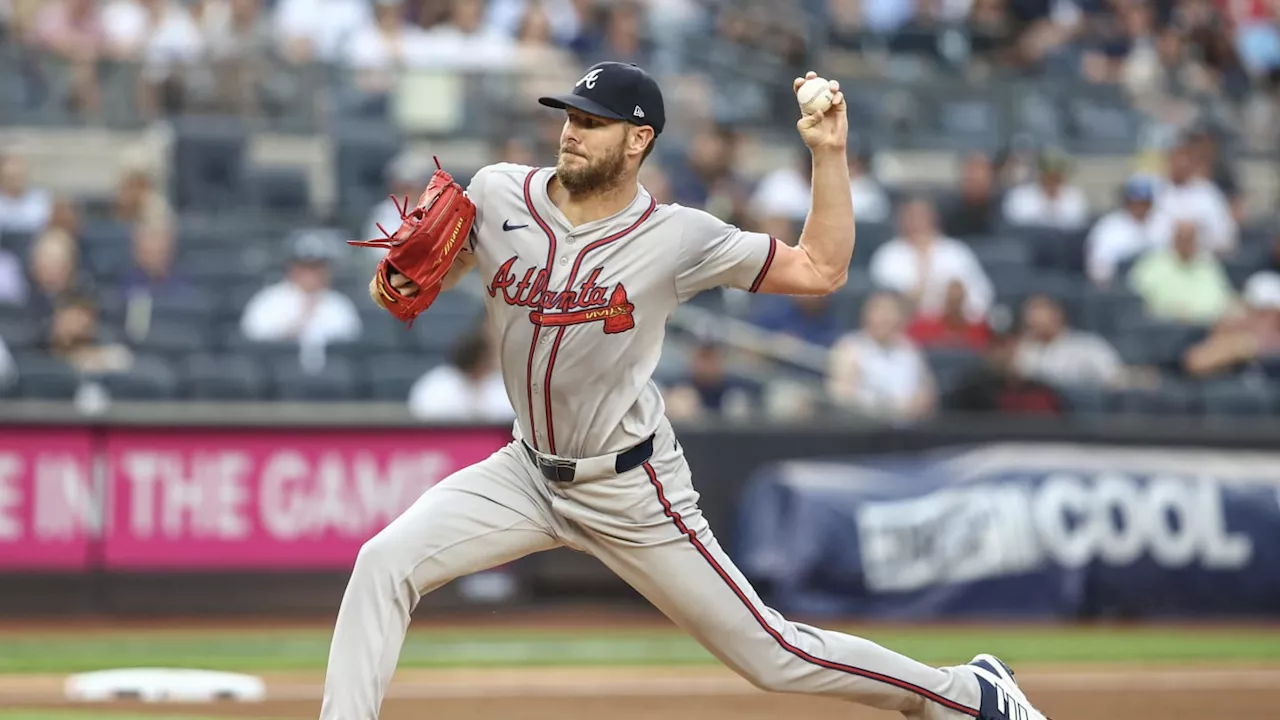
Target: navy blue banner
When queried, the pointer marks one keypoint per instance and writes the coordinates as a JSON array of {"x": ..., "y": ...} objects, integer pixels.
[{"x": 1018, "y": 530}]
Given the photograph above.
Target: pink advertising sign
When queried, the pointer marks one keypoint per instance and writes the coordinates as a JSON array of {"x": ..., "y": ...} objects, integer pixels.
[
  {"x": 256, "y": 499},
  {"x": 49, "y": 509}
]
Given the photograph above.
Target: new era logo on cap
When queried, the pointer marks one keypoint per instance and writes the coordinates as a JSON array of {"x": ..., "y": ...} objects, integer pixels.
[{"x": 619, "y": 91}]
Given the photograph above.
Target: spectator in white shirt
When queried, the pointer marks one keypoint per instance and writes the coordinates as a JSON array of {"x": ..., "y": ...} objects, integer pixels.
[
  {"x": 1049, "y": 201},
  {"x": 161, "y": 34},
  {"x": 1125, "y": 232},
  {"x": 303, "y": 307},
  {"x": 877, "y": 370},
  {"x": 785, "y": 192},
  {"x": 380, "y": 50},
  {"x": 1051, "y": 352},
  {"x": 465, "y": 43},
  {"x": 23, "y": 209},
  {"x": 318, "y": 30},
  {"x": 507, "y": 16},
  {"x": 468, "y": 388},
  {"x": 1189, "y": 195},
  {"x": 920, "y": 263}
]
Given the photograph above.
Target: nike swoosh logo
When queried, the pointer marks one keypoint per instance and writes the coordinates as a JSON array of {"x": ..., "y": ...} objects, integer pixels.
[{"x": 506, "y": 225}]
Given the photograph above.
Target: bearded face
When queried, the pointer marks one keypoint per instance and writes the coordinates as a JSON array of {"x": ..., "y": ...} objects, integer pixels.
[
  {"x": 592, "y": 156},
  {"x": 584, "y": 173}
]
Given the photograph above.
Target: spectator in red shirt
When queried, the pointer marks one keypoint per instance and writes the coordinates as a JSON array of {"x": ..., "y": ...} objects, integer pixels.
[{"x": 950, "y": 327}]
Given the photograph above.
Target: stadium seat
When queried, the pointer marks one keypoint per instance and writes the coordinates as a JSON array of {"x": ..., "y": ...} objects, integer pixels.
[
  {"x": 1234, "y": 397},
  {"x": 223, "y": 265},
  {"x": 280, "y": 190},
  {"x": 951, "y": 365},
  {"x": 1056, "y": 250},
  {"x": 223, "y": 377},
  {"x": 870, "y": 236},
  {"x": 1163, "y": 342},
  {"x": 17, "y": 243},
  {"x": 953, "y": 118},
  {"x": 1105, "y": 310},
  {"x": 1170, "y": 398},
  {"x": 150, "y": 378},
  {"x": 208, "y": 162},
  {"x": 176, "y": 337},
  {"x": 362, "y": 152},
  {"x": 392, "y": 376},
  {"x": 1084, "y": 399},
  {"x": 20, "y": 331},
  {"x": 1099, "y": 119},
  {"x": 43, "y": 377},
  {"x": 334, "y": 381}
]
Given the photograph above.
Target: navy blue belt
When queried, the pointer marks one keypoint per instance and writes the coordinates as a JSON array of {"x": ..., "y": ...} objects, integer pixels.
[{"x": 560, "y": 470}]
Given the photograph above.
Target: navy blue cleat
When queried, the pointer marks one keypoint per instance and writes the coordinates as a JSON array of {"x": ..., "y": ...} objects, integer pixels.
[{"x": 1002, "y": 699}]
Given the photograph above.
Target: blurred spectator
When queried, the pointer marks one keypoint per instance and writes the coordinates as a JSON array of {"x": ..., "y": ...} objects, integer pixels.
[
  {"x": 877, "y": 370},
  {"x": 303, "y": 306},
  {"x": 23, "y": 209},
  {"x": 622, "y": 39},
  {"x": 1049, "y": 201},
  {"x": 379, "y": 51},
  {"x": 545, "y": 67},
  {"x": 563, "y": 18},
  {"x": 1244, "y": 336},
  {"x": 785, "y": 192},
  {"x": 318, "y": 30},
  {"x": 1214, "y": 166},
  {"x": 74, "y": 338},
  {"x": 950, "y": 328},
  {"x": 72, "y": 30},
  {"x": 55, "y": 270},
  {"x": 240, "y": 46},
  {"x": 138, "y": 202},
  {"x": 708, "y": 179},
  {"x": 464, "y": 43},
  {"x": 8, "y": 369},
  {"x": 1184, "y": 283},
  {"x": 64, "y": 216},
  {"x": 1256, "y": 34},
  {"x": 810, "y": 318},
  {"x": 709, "y": 389},
  {"x": 1125, "y": 232},
  {"x": 1190, "y": 195},
  {"x": 972, "y": 212},
  {"x": 1047, "y": 30},
  {"x": 920, "y": 264},
  {"x": 468, "y": 388},
  {"x": 151, "y": 281},
  {"x": 13, "y": 280},
  {"x": 1051, "y": 352},
  {"x": 164, "y": 37},
  {"x": 657, "y": 181},
  {"x": 998, "y": 387}
]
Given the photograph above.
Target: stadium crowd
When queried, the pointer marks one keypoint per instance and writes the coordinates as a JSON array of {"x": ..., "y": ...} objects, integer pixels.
[{"x": 1008, "y": 292}]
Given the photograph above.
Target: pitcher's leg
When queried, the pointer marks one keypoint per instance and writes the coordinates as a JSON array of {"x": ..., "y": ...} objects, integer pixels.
[
  {"x": 676, "y": 563},
  {"x": 478, "y": 518}
]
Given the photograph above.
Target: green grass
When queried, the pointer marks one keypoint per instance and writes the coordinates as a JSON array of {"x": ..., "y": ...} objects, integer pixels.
[
  {"x": 308, "y": 650},
  {"x": 83, "y": 715}
]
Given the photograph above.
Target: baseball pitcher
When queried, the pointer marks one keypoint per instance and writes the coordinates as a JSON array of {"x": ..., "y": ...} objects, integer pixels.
[{"x": 582, "y": 268}]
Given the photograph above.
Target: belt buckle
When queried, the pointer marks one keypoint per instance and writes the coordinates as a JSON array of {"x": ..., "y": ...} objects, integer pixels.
[{"x": 562, "y": 469}]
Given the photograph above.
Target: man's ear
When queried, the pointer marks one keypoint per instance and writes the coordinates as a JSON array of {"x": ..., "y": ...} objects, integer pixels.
[{"x": 640, "y": 139}]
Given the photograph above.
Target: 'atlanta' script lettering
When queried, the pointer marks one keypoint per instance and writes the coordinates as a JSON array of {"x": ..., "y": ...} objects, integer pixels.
[{"x": 531, "y": 290}]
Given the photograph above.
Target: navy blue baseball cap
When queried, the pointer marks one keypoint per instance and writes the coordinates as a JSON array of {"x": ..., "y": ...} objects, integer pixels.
[
  {"x": 1140, "y": 188},
  {"x": 618, "y": 91}
]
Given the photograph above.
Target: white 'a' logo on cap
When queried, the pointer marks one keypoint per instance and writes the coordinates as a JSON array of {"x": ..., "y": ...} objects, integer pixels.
[
  {"x": 589, "y": 79},
  {"x": 638, "y": 113}
]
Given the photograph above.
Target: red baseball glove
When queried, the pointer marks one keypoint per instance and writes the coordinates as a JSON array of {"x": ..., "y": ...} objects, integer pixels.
[{"x": 424, "y": 247}]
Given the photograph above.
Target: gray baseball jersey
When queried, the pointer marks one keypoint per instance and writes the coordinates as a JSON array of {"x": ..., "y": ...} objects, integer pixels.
[
  {"x": 580, "y": 314},
  {"x": 581, "y": 311}
]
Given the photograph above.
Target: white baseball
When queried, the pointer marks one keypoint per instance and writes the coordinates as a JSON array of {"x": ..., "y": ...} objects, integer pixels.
[{"x": 814, "y": 96}]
